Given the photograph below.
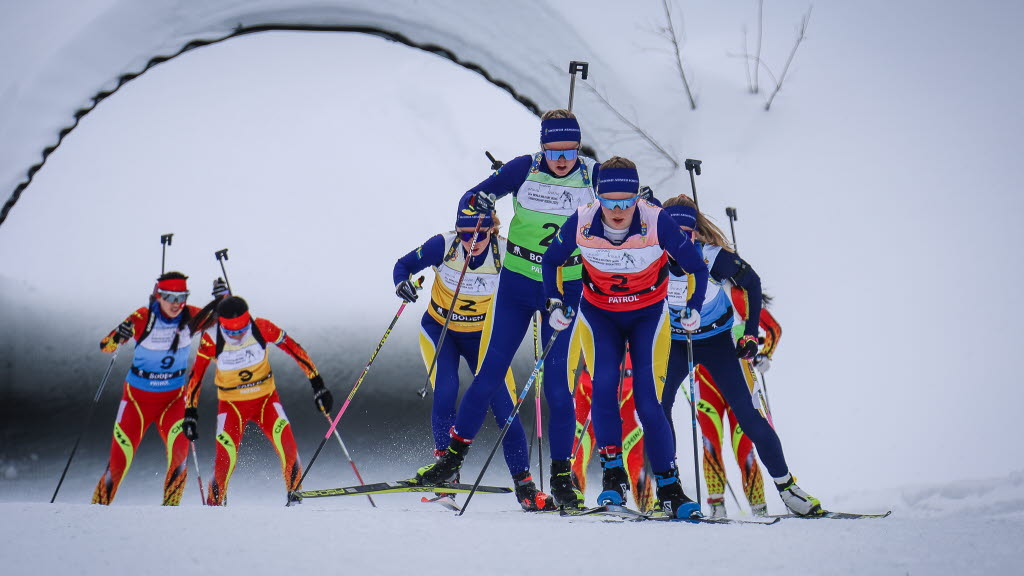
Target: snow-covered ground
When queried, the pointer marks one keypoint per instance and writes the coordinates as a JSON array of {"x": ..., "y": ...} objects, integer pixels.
[{"x": 962, "y": 528}]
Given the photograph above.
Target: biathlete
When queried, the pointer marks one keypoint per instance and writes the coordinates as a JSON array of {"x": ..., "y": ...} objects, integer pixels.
[
  {"x": 715, "y": 350},
  {"x": 547, "y": 187},
  {"x": 246, "y": 392},
  {"x": 154, "y": 387},
  {"x": 713, "y": 410},
  {"x": 624, "y": 246},
  {"x": 447, "y": 254}
]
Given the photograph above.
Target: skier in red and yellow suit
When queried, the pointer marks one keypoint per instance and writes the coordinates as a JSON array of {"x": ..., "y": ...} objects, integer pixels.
[
  {"x": 246, "y": 391},
  {"x": 153, "y": 389}
]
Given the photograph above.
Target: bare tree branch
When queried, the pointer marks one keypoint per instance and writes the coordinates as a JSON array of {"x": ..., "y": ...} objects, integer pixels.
[
  {"x": 800, "y": 38},
  {"x": 760, "y": 33},
  {"x": 636, "y": 129},
  {"x": 767, "y": 68},
  {"x": 672, "y": 37}
]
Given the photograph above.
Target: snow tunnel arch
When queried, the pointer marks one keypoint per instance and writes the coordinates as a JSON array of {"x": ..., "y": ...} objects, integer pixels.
[{"x": 523, "y": 50}]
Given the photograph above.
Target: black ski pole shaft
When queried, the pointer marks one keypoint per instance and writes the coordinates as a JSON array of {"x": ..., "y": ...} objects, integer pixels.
[
  {"x": 693, "y": 413},
  {"x": 165, "y": 241},
  {"x": 348, "y": 457},
  {"x": 731, "y": 213},
  {"x": 222, "y": 255},
  {"x": 576, "y": 66},
  {"x": 693, "y": 166},
  {"x": 88, "y": 419},
  {"x": 199, "y": 478},
  {"x": 355, "y": 388},
  {"x": 508, "y": 422},
  {"x": 451, "y": 309}
]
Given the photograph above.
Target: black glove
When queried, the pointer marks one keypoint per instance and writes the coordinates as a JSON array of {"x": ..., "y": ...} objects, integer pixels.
[
  {"x": 483, "y": 202},
  {"x": 406, "y": 290},
  {"x": 321, "y": 395},
  {"x": 646, "y": 193},
  {"x": 190, "y": 425},
  {"x": 220, "y": 288},
  {"x": 125, "y": 332},
  {"x": 746, "y": 347}
]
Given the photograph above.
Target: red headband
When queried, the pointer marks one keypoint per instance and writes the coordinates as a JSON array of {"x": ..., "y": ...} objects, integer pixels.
[
  {"x": 172, "y": 285},
  {"x": 235, "y": 323}
]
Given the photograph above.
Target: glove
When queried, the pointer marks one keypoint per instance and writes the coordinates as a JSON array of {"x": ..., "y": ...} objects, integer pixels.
[
  {"x": 322, "y": 397},
  {"x": 746, "y": 347},
  {"x": 483, "y": 202},
  {"x": 690, "y": 320},
  {"x": 646, "y": 193},
  {"x": 762, "y": 362},
  {"x": 220, "y": 288},
  {"x": 560, "y": 315},
  {"x": 125, "y": 332},
  {"x": 190, "y": 425},
  {"x": 406, "y": 290}
]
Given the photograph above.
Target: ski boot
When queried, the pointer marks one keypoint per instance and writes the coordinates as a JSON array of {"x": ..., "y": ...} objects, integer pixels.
[
  {"x": 759, "y": 510},
  {"x": 671, "y": 498},
  {"x": 799, "y": 502},
  {"x": 447, "y": 467},
  {"x": 528, "y": 496},
  {"x": 562, "y": 489},
  {"x": 614, "y": 479},
  {"x": 717, "y": 502}
]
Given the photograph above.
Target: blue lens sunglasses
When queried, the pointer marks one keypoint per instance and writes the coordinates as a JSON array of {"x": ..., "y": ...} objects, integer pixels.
[
  {"x": 468, "y": 236},
  {"x": 173, "y": 297},
  {"x": 554, "y": 155},
  {"x": 621, "y": 204}
]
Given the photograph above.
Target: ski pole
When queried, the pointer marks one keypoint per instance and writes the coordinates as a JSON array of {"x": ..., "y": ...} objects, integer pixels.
[
  {"x": 693, "y": 413},
  {"x": 691, "y": 167},
  {"x": 451, "y": 309},
  {"x": 88, "y": 419},
  {"x": 165, "y": 241},
  {"x": 350, "y": 460},
  {"x": 355, "y": 387},
  {"x": 195, "y": 460},
  {"x": 539, "y": 420},
  {"x": 508, "y": 422},
  {"x": 222, "y": 255},
  {"x": 730, "y": 212},
  {"x": 495, "y": 163},
  {"x": 575, "y": 66}
]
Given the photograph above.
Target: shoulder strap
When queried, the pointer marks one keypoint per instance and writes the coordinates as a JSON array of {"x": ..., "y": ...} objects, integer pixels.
[{"x": 258, "y": 335}]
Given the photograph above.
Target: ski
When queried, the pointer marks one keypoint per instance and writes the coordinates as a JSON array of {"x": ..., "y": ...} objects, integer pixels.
[
  {"x": 446, "y": 500},
  {"x": 394, "y": 488},
  {"x": 832, "y": 515},
  {"x": 628, "y": 514}
]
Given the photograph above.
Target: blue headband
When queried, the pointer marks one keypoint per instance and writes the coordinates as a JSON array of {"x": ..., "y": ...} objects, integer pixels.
[
  {"x": 683, "y": 215},
  {"x": 467, "y": 218},
  {"x": 560, "y": 130},
  {"x": 618, "y": 180}
]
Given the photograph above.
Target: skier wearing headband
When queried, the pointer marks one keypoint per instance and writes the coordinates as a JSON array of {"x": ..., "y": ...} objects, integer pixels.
[
  {"x": 716, "y": 351},
  {"x": 447, "y": 254},
  {"x": 153, "y": 389},
  {"x": 237, "y": 343},
  {"x": 546, "y": 187},
  {"x": 625, "y": 303}
]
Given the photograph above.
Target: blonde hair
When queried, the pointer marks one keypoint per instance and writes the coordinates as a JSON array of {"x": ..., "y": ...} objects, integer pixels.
[
  {"x": 557, "y": 113},
  {"x": 706, "y": 229},
  {"x": 618, "y": 162}
]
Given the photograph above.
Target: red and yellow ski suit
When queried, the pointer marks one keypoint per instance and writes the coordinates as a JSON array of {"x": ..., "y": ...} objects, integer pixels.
[{"x": 246, "y": 392}]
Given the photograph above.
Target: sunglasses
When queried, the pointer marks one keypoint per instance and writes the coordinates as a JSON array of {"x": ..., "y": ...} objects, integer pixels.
[
  {"x": 173, "y": 297},
  {"x": 235, "y": 333},
  {"x": 621, "y": 204},
  {"x": 554, "y": 155},
  {"x": 468, "y": 236}
]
